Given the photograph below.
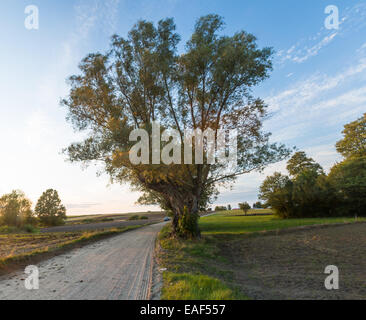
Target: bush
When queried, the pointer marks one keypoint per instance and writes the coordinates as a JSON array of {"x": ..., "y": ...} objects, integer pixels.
[
  {"x": 144, "y": 218},
  {"x": 308, "y": 195},
  {"x": 220, "y": 208},
  {"x": 135, "y": 217},
  {"x": 30, "y": 228},
  {"x": 8, "y": 229},
  {"x": 11, "y": 229}
]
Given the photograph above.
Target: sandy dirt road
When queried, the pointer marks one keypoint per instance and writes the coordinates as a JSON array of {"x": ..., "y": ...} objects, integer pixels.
[{"x": 117, "y": 268}]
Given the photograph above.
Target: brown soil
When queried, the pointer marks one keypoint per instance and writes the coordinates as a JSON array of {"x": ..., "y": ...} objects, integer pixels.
[
  {"x": 291, "y": 265},
  {"x": 17, "y": 244}
]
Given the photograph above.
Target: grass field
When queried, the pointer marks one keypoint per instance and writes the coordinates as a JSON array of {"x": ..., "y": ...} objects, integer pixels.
[
  {"x": 250, "y": 212},
  {"x": 200, "y": 270},
  {"x": 226, "y": 223}
]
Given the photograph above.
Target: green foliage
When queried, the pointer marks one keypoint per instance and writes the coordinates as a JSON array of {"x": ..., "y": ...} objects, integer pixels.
[
  {"x": 299, "y": 162},
  {"x": 8, "y": 229},
  {"x": 220, "y": 208},
  {"x": 348, "y": 178},
  {"x": 30, "y": 228},
  {"x": 195, "y": 287},
  {"x": 188, "y": 224},
  {"x": 15, "y": 209},
  {"x": 49, "y": 209},
  {"x": 310, "y": 193},
  {"x": 354, "y": 142},
  {"x": 134, "y": 217},
  {"x": 258, "y": 205},
  {"x": 245, "y": 206},
  {"x": 307, "y": 194}
]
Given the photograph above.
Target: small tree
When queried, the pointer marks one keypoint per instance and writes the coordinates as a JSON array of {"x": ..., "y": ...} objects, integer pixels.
[
  {"x": 49, "y": 209},
  {"x": 15, "y": 209},
  {"x": 245, "y": 207},
  {"x": 229, "y": 207}
]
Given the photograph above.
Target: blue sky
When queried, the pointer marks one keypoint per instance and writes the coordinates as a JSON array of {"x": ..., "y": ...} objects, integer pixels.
[{"x": 318, "y": 84}]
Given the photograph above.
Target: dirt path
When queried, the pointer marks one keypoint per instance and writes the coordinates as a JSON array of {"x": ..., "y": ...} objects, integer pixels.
[{"x": 118, "y": 268}]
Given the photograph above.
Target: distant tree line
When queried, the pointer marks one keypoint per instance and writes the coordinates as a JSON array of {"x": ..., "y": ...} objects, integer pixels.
[
  {"x": 309, "y": 192},
  {"x": 16, "y": 210}
]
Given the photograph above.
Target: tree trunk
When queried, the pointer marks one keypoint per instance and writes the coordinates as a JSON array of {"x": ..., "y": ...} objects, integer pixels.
[{"x": 185, "y": 219}]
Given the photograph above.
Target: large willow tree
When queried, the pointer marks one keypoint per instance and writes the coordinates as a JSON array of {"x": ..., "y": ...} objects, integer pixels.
[{"x": 142, "y": 79}]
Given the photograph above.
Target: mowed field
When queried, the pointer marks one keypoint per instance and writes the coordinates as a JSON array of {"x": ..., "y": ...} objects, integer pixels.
[
  {"x": 234, "y": 222},
  {"x": 263, "y": 257}
]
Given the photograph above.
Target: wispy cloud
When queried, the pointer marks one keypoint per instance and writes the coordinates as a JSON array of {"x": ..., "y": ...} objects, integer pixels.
[
  {"x": 320, "y": 91},
  {"x": 353, "y": 19},
  {"x": 96, "y": 13}
]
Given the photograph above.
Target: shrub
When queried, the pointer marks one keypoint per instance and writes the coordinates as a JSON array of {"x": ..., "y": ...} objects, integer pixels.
[
  {"x": 220, "y": 208},
  {"x": 30, "y": 228},
  {"x": 8, "y": 229}
]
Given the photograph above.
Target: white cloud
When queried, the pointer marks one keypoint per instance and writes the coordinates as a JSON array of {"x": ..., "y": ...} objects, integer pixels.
[
  {"x": 314, "y": 50},
  {"x": 354, "y": 19},
  {"x": 96, "y": 13},
  {"x": 320, "y": 91}
]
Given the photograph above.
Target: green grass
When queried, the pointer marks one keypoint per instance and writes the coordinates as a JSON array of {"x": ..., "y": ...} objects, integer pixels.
[
  {"x": 250, "y": 212},
  {"x": 195, "y": 287},
  {"x": 196, "y": 269},
  {"x": 14, "y": 230},
  {"x": 223, "y": 223}
]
